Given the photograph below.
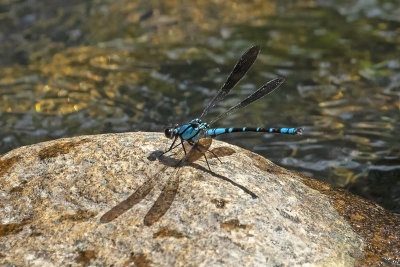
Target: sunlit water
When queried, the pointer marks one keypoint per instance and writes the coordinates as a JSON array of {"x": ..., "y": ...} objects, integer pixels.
[{"x": 89, "y": 67}]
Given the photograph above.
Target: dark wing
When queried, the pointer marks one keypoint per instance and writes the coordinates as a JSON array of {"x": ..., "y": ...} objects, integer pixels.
[
  {"x": 263, "y": 91},
  {"x": 198, "y": 149},
  {"x": 220, "y": 152},
  {"x": 240, "y": 69},
  {"x": 132, "y": 200}
]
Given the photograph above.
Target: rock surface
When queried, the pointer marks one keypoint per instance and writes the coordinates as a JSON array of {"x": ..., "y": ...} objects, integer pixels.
[{"x": 54, "y": 194}]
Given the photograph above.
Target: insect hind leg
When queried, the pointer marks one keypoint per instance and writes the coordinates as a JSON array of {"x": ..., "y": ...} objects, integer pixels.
[
  {"x": 205, "y": 157},
  {"x": 192, "y": 143},
  {"x": 215, "y": 155}
]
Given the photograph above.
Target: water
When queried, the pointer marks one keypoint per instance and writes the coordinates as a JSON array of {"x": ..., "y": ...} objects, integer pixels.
[{"x": 89, "y": 67}]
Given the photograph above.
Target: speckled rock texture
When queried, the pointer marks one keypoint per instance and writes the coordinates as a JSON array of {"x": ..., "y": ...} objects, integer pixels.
[{"x": 247, "y": 211}]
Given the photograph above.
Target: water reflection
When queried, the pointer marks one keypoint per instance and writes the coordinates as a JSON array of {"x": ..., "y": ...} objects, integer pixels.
[{"x": 69, "y": 68}]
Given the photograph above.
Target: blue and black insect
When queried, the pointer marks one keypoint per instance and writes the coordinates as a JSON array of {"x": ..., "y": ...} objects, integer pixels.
[
  {"x": 198, "y": 135},
  {"x": 197, "y": 129}
]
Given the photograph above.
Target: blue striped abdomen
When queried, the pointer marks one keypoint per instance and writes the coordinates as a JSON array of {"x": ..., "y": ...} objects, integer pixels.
[{"x": 218, "y": 131}]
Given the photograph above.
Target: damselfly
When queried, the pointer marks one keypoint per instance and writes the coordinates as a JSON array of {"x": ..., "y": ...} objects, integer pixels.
[{"x": 197, "y": 129}]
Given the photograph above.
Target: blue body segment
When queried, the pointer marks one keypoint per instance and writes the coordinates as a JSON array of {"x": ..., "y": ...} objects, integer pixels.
[{"x": 187, "y": 132}]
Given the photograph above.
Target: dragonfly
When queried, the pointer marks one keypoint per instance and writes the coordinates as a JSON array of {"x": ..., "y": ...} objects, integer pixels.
[{"x": 196, "y": 136}]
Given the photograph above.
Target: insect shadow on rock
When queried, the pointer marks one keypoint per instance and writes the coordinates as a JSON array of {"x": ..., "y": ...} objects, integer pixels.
[{"x": 168, "y": 193}]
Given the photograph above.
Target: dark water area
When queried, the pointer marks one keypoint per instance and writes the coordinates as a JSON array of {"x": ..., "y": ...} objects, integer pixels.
[{"x": 71, "y": 68}]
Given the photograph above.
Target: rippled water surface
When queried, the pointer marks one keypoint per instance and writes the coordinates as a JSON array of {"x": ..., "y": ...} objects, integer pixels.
[{"x": 70, "y": 68}]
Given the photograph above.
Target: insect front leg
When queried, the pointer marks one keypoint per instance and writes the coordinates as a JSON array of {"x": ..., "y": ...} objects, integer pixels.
[{"x": 171, "y": 147}]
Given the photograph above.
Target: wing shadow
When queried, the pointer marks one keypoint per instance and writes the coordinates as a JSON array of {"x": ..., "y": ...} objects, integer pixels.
[{"x": 164, "y": 201}]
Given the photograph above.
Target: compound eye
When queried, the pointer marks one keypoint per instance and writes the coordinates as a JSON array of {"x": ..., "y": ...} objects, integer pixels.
[{"x": 169, "y": 133}]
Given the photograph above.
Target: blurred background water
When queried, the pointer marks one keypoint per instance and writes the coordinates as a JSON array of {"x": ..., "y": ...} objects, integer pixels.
[{"x": 70, "y": 68}]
